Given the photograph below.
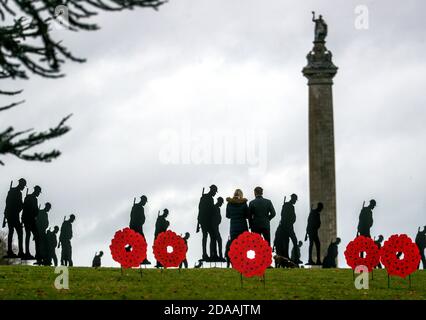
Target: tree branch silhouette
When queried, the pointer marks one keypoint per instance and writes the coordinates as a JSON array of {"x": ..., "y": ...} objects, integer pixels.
[{"x": 27, "y": 47}]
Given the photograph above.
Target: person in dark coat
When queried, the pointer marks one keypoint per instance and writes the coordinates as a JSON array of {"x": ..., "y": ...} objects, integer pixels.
[
  {"x": 216, "y": 237},
  {"x": 378, "y": 243},
  {"x": 332, "y": 253},
  {"x": 29, "y": 215},
  {"x": 184, "y": 263},
  {"x": 366, "y": 219},
  {"x": 421, "y": 244},
  {"x": 42, "y": 223},
  {"x": 137, "y": 215},
  {"x": 261, "y": 213},
  {"x": 314, "y": 223},
  {"x": 52, "y": 242},
  {"x": 238, "y": 212},
  {"x": 96, "y": 263},
  {"x": 206, "y": 210},
  {"x": 14, "y": 205},
  {"x": 288, "y": 218},
  {"x": 65, "y": 241},
  {"x": 161, "y": 225}
]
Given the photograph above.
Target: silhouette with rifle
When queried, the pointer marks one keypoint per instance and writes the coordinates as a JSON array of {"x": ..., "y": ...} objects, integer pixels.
[
  {"x": 330, "y": 260},
  {"x": 421, "y": 244},
  {"x": 366, "y": 219},
  {"x": 29, "y": 216},
  {"x": 65, "y": 241},
  {"x": 52, "y": 242},
  {"x": 14, "y": 205},
  {"x": 314, "y": 223},
  {"x": 161, "y": 225},
  {"x": 137, "y": 218},
  {"x": 216, "y": 238},
  {"x": 288, "y": 218},
  {"x": 261, "y": 212},
  {"x": 206, "y": 210},
  {"x": 42, "y": 223},
  {"x": 96, "y": 263}
]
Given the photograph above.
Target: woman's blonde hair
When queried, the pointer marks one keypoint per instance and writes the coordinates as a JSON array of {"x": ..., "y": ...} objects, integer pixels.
[{"x": 238, "y": 194}]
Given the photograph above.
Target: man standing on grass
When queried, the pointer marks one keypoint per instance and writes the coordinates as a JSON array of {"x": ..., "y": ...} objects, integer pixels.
[
  {"x": 206, "y": 210},
  {"x": 137, "y": 219},
  {"x": 29, "y": 216},
  {"x": 261, "y": 213},
  {"x": 288, "y": 218},
  {"x": 65, "y": 241}
]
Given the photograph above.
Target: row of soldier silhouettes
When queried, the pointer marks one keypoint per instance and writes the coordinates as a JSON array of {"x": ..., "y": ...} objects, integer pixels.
[{"x": 35, "y": 222}]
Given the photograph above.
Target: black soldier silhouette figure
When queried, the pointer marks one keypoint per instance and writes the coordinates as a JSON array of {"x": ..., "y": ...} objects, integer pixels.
[
  {"x": 238, "y": 212},
  {"x": 42, "y": 223},
  {"x": 206, "y": 210},
  {"x": 65, "y": 241},
  {"x": 96, "y": 263},
  {"x": 215, "y": 235},
  {"x": 366, "y": 219},
  {"x": 161, "y": 225},
  {"x": 185, "y": 261},
  {"x": 227, "y": 248},
  {"x": 29, "y": 215},
  {"x": 137, "y": 218},
  {"x": 314, "y": 223},
  {"x": 332, "y": 253},
  {"x": 261, "y": 213},
  {"x": 52, "y": 242},
  {"x": 12, "y": 210},
  {"x": 279, "y": 240},
  {"x": 321, "y": 28},
  {"x": 295, "y": 253},
  {"x": 137, "y": 215},
  {"x": 288, "y": 218},
  {"x": 421, "y": 244},
  {"x": 378, "y": 243}
]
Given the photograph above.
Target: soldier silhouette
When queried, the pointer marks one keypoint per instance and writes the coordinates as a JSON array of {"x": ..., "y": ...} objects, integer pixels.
[
  {"x": 421, "y": 244},
  {"x": 185, "y": 261},
  {"x": 65, "y": 241},
  {"x": 161, "y": 225},
  {"x": 332, "y": 253},
  {"x": 279, "y": 240},
  {"x": 42, "y": 223},
  {"x": 137, "y": 218},
  {"x": 29, "y": 215},
  {"x": 215, "y": 235},
  {"x": 378, "y": 243},
  {"x": 13, "y": 207},
  {"x": 227, "y": 248},
  {"x": 96, "y": 263},
  {"x": 288, "y": 218},
  {"x": 206, "y": 210},
  {"x": 314, "y": 223},
  {"x": 366, "y": 219},
  {"x": 51, "y": 246},
  {"x": 261, "y": 213},
  {"x": 295, "y": 253}
]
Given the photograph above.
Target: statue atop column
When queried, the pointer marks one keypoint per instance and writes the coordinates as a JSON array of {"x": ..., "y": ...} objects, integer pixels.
[{"x": 321, "y": 28}]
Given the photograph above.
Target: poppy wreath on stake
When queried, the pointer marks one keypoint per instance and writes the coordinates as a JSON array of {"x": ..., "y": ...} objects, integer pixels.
[
  {"x": 250, "y": 266},
  {"x": 356, "y": 247},
  {"x": 177, "y": 248},
  {"x": 400, "y": 244},
  {"x": 128, "y": 248}
]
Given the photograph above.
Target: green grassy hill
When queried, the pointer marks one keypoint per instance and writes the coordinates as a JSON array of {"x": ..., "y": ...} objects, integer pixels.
[{"x": 27, "y": 282}]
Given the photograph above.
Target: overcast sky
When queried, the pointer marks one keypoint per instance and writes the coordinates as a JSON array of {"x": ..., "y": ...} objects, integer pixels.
[{"x": 159, "y": 86}]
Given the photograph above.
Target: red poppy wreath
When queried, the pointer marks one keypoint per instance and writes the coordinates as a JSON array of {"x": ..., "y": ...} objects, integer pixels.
[
  {"x": 169, "y": 249},
  {"x": 128, "y": 248},
  {"x": 400, "y": 255},
  {"x": 359, "y": 245},
  {"x": 250, "y": 254}
]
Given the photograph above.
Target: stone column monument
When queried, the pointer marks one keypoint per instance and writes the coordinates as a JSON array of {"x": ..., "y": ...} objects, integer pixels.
[{"x": 320, "y": 72}]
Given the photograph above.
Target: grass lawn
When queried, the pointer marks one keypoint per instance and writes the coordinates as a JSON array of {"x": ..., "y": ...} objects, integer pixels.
[{"x": 27, "y": 282}]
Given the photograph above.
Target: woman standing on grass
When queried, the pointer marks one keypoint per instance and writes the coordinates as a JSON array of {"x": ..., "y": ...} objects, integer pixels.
[{"x": 237, "y": 210}]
